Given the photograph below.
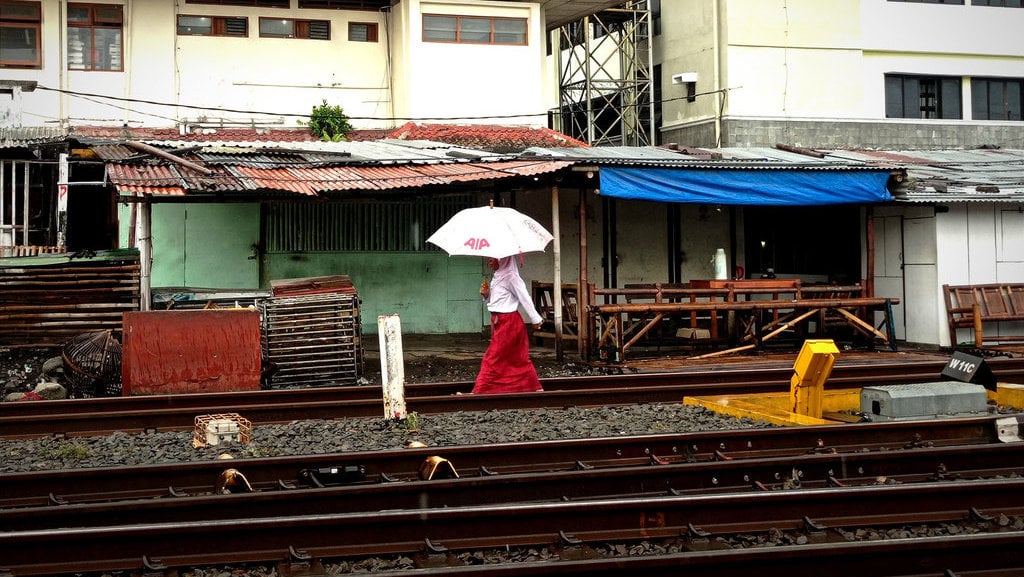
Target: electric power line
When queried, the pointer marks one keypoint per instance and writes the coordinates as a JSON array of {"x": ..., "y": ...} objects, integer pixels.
[{"x": 92, "y": 96}]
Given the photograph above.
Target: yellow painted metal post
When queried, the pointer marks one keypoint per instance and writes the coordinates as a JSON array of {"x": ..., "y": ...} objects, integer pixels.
[{"x": 810, "y": 371}]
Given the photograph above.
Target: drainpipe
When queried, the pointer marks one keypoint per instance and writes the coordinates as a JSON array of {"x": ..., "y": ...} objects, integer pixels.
[
  {"x": 716, "y": 39},
  {"x": 62, "y": 66}
]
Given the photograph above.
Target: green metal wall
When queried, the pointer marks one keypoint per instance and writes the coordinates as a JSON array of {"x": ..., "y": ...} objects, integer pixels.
[
  {"x": 202, "y": 245},
  {"x": 431, "y": 292},
  {"x": 210, "y": 245}
]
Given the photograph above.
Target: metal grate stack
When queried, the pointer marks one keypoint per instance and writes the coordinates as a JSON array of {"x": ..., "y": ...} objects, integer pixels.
[{"x": 311, "y": 336}]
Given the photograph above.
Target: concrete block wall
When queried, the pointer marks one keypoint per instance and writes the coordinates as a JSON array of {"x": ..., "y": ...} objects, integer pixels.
[{"x": 848, "y": 134}]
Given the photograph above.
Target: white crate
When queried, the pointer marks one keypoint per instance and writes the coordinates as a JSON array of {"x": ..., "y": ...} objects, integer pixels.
[{"x": 212, "y": 430}]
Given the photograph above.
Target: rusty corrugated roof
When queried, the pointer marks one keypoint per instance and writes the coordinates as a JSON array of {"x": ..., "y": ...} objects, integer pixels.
[{"x": 329, "y": 167}]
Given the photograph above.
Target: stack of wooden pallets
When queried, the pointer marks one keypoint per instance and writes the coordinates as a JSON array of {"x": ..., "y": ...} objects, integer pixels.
[{"x": 311, "y": 333}]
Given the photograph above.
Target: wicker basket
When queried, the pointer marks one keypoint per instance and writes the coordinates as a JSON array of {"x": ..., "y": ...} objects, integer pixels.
[{"x": 92, "y": 365}]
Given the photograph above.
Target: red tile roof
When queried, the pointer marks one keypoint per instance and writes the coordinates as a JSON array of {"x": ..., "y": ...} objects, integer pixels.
[
  {"x": 486, "y": 136},
  {"x": 478, "y": 136}
]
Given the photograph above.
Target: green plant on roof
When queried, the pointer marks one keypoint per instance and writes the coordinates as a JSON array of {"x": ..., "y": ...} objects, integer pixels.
[{"x": 328, "y": 122}]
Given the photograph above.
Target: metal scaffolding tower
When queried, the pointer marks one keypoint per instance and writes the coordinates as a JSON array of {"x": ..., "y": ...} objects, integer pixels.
[{"x": 606, "y": 90}]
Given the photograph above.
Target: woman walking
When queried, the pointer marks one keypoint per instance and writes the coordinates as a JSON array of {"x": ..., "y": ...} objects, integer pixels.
[{"x": 506, "y": 366}]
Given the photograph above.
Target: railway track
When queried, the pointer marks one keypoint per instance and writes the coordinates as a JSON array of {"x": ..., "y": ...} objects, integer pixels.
[
  {"x": 819, "y": 516},
  {"x": 177, "y": 412},
  {"x": 695, "y": 500},
  {"x": 754, "y": 472},
  {"x": 152, "y": 481}
]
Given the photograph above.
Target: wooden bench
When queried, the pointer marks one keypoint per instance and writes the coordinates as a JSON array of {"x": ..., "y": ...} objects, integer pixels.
[
  {"x": 623, "y": 325},
  {"x": 975, "y": 306},
  {"x": 544, "y": 300}
]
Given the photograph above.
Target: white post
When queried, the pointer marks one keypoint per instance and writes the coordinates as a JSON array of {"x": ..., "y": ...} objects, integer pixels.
[
  {"x": 392, "y": 367},
  {"x": 557, "y": 289},
  {"x": 62, "y": 201},
  {"x": 145, "y": 240}
]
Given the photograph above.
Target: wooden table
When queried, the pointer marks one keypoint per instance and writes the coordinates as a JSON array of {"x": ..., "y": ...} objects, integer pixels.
[{"x": 623, "y": 325}]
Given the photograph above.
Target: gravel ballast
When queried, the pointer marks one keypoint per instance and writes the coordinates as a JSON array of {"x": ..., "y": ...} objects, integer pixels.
[{"x": 317, "y": 437}]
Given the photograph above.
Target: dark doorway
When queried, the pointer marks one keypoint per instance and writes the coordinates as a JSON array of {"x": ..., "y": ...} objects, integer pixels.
[
  {"x": 92, "y": 213},
  {"x": 816, "y": 243}
]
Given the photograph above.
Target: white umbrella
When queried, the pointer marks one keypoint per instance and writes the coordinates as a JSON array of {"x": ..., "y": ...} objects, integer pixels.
[{"x": 490, "y": 231}]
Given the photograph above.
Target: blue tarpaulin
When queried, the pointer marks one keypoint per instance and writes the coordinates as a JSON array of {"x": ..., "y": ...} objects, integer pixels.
[{"x": 762, "y": 187}]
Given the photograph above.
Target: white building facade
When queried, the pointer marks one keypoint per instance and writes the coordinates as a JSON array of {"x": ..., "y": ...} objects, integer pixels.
[
  {"x": 195, "y": 63},
  {"x": 877, "y": 74},
  {"x": 857, "y": 73}
]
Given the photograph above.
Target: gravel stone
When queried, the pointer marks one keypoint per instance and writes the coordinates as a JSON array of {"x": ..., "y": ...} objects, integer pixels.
[{"x": 317, "y": 437}]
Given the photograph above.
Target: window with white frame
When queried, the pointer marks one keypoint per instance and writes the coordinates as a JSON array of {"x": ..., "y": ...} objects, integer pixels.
[
  {"x": 95, "y": 37},
  {"x": 997, "y": 98},
  {"x": 292, "y": 28},
  {"x": 20, "y": 35},
  {"x": 213, "y": 26},
  {"x": 474, "y": 29}
]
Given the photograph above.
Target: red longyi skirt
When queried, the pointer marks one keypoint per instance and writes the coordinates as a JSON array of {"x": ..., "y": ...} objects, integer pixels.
[{"x": 506, "y": 367}]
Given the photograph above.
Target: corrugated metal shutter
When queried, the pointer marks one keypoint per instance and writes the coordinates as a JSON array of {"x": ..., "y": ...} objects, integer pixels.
[{"x": 395, "y": 226}]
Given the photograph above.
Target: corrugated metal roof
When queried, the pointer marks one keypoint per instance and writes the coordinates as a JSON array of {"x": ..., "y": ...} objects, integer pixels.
[
  {"x": 316, "y": 167},
  {"x": 937, "y": 176},
  {"x": 248, "y": 170},
  {"x": 275, "y": 153},
  {"x": 702, "y": 159},
  {"x": 987, "y": 175},
  {"x": 21, "y": 137}
]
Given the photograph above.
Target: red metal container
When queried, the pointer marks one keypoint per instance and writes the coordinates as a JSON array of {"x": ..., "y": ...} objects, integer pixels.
[{"x": 190, "y": 351}]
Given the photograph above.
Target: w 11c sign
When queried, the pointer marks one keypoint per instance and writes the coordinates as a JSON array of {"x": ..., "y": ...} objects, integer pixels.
[{"x": 970, "y": 369}]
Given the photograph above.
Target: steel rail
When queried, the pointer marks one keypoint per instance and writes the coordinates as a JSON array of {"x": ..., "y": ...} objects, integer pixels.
[
  {"x": 178, "y": 412},
  {"x": 982, "y": 555},
  {"x": 735, "y": 476},
  {"x": 329, "y": 535},
  {"x": 83, "y": 485},
  {"x": 843, "y": 374}
]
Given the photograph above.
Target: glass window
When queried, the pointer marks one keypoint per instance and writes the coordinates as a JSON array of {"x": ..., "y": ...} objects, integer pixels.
[
  {"x": 509, "y": 31},
  {"x": 913, "y": 96},
  {"x": 931, "y": 1},
  {"x": 95, "y": 37},
  {"x": 213, "y": 26},
  {"x": 440, "y": 28},
  {"x": 288, "y": 28},
  {"x": 997, "y": 98},
  {"x": 362, "y": 32},
  {"x": 257, "y": 3},
  {"x": 474, "y": 29},
  {"x": 345, "y": 4},
  {"x": 202, "y": 25},
  {"x": 277, "y": 27},
  {"x": 20, "y": 34},
  {"x": 1001, "y": 3}
]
